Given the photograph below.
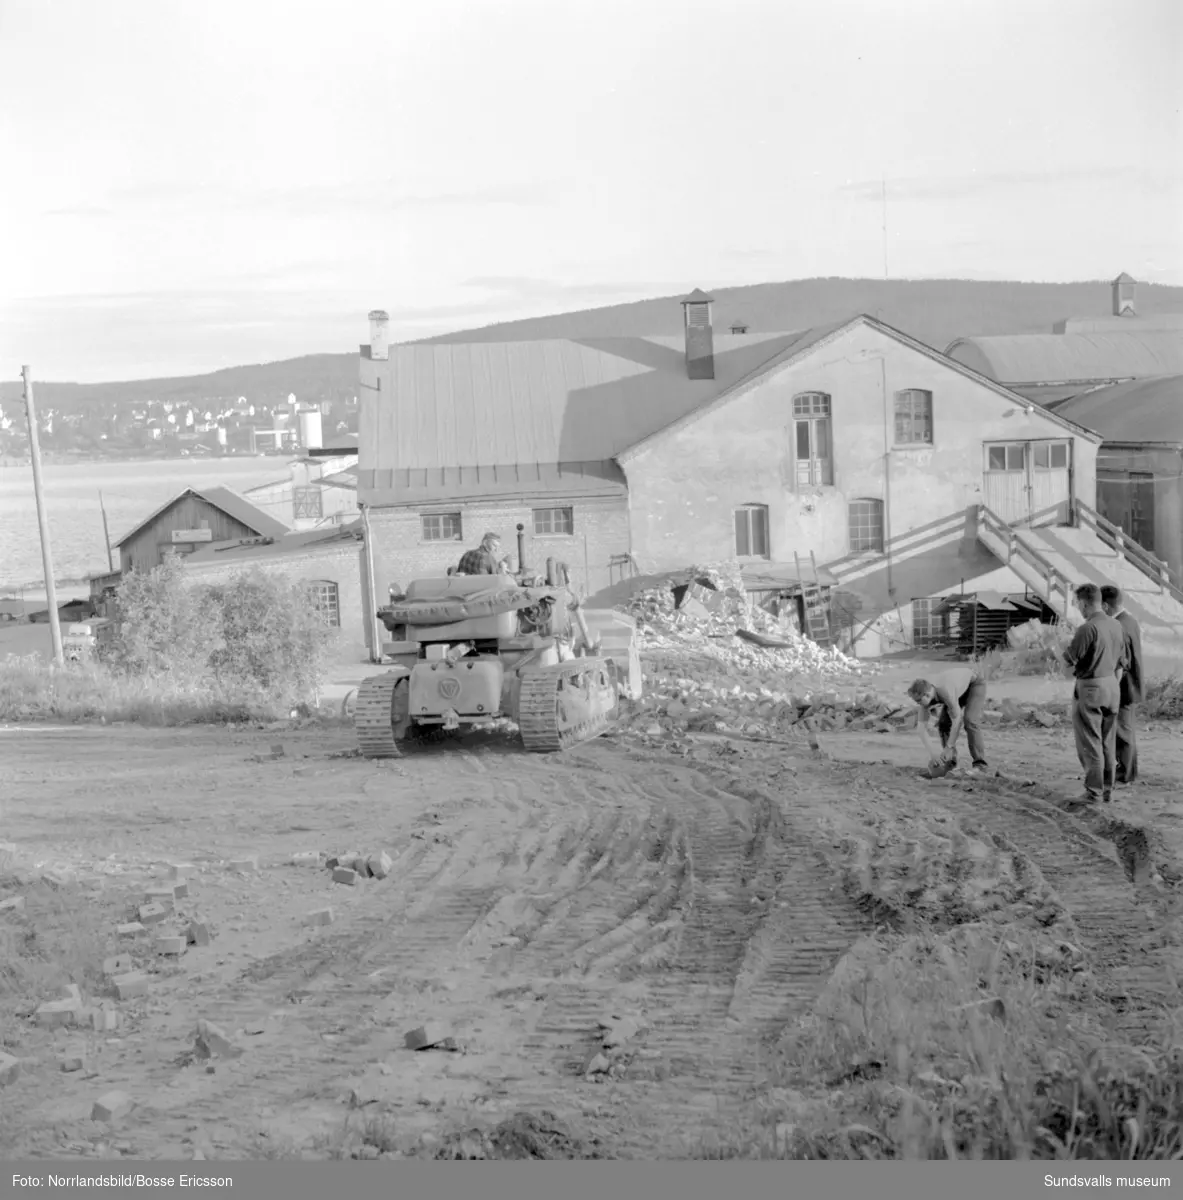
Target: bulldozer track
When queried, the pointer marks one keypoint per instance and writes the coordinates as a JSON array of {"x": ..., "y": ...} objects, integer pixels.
[
  {"x": 539, "y": 706},
  {"x": 382, "y": 714},
  {"x": 1093, "y": 886}
]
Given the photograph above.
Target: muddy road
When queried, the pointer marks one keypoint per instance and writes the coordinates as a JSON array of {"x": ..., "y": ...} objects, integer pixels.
[{"x": 698, "y": 894}]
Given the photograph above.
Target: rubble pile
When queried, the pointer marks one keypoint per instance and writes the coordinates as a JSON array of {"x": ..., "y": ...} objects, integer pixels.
[
  {"x": 946, "y": 877},
  {"x": 700, "y": 676}
]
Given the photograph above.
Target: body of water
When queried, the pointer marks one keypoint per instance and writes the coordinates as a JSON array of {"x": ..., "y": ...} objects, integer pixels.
[{"x": 131, "y": 491}]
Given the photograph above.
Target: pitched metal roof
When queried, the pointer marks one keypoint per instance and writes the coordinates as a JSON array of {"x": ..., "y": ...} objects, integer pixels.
[
  {"x": 1143, "y": 410},
  {"x": 231, "y": 503},
  {"x": 545, "y": 403},
  {"x": 1072, "y": 357}
]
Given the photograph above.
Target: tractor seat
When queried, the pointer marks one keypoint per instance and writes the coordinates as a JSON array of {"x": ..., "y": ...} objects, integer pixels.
[{"x": 454, "y": 586}]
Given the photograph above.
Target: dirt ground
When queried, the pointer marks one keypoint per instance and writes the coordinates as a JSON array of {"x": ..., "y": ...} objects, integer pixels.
[{"x": 696, "y": 891}]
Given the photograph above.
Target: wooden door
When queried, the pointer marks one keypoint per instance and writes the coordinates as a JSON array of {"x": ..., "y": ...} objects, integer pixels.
[
  {"x": 1005, "y": 485},
  {"x": 1051, "y": 481}
]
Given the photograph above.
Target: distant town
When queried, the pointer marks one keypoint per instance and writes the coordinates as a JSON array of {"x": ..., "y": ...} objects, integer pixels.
[{"x": 168, "y": 429}]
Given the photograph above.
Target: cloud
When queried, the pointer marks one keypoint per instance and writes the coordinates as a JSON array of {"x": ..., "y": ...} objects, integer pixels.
[
  {"x": 964, "y": 187},
  {"x": 323, "y": 198}
]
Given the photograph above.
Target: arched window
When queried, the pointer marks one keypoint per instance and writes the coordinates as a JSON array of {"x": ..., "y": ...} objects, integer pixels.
[
  {"x": 751, "y": 531},
  {"x": 913, "y": 417},
  {"x": 326, "y": 599},
  {"x": 811, "y": 439},
  {"x": 866, "y": 526}
]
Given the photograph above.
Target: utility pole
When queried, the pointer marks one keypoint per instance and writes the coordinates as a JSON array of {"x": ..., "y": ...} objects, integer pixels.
[
  {"x": 106, "y": 536},
  {"x": 55, "y": 628}
]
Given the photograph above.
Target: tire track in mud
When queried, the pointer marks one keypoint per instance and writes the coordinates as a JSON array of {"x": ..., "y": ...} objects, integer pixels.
[{"x": 1092, "y": 885}]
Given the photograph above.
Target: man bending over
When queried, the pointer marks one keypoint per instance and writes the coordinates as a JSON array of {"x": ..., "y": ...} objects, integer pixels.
[{"x": 961, "y": 694}]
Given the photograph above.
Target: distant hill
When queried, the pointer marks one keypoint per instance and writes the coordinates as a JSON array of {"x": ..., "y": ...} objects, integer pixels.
[{"x": 935, "y": 311}]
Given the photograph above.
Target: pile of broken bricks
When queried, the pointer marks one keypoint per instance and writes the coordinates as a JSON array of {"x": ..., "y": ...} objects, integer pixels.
[
  {"x": 348, "y": 869},
  {"x": 618, "y": 1035},
  {"x": 159, "y": 912}
]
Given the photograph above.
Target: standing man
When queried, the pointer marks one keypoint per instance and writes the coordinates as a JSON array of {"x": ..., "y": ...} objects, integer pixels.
[
  {"x": 483, "y": 560},
  {"x": 1113, "y": 603},
  {"x": 1097, "y": 657},
  {"x": 961, "y": 693}
]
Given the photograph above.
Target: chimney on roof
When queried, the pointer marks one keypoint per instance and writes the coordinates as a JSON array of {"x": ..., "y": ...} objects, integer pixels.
[
  {"x": 379, "y": 334},
  {"x": 700, "y": 348},
  {"x": 1124, "y": 291}
]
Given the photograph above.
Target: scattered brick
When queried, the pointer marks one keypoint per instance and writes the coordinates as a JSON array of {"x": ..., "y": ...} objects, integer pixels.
[
  {"x": 198, "y": 934},
  {"x": 14, "y": 904},
  {"x": 380, "y": 865},
  {"x": 427, "y": 1037},
  {"x": 598, "y": 1064},
  {"x": 152, "y": 914},
  {"x": 73, "y": 993},
  {"x": 212, "y": 1040},
  {"x": 245, "y": 865},
  {"x": 345, "y": 875},
  {"x": 622, "y": 1032},
  {"x": 56, "y": 1013},
  {"x": 10, "y": 1069},
  {"x": 104, "y": 1020},
  {"x": 70, "y": 1062},
  {"x": 168, "y": 944},
  {"x": 130, "y": 929},
  {"x": 319, "y": 916},
  {"x": 333, "y": 860},
  {"x": 277, "y": 750},
  {"x": 165, "y": 897},
  {"x": 118, "y": 964},
  {"x": 136, "y": 983},
  {"x": 181, "y": 870},
  {"x": 181, "y": 889},
  {"x": 111, "y": 1106},
  {"x": 306, "y": 858}
]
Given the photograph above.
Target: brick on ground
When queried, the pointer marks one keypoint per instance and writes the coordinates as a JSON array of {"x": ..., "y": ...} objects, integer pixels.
[
  {"x": 198, "y": 933},
  {"x": 117, "y": 964},
  {"x": 345, "y": 875},
  {"x": 10, "y": 1069},
  {"x": 130, "y": 929},
  {"x": 135, "y": 983},
  {"x": 380, "y": 864},
  {"x": 245, "y": 865},
  {"x": 319, "y": 916},
  {"x": 211, "y": 1040},
  {"x": 54, "y": 1014},
  {"x": 111, "y": 1106},
  {"x": 153, "y": 914},
  {"x": 171, "y": 944},
  {"x": 429, "y": 1036}
]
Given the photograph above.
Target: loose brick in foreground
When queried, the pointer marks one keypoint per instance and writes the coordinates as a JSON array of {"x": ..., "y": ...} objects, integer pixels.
[
  {"x": 118, "y": 964},
  {"x": 111, "y": 1106},
  {"x": 319, "y": 916},
  {"x": 10, "y": 1069},
  {"x": 427, "y": 1036},
  {"x": 345, "y": 875},
  {"x": 152, "y": 914},
  {"x": 380, "y": 865},
  {"x": 198, "y": 933},
  {"x": 55, "y": 1013},
  {"x": 171, "y": 944},
  {"x": 134, "y": 984},
  {"x": 245, "y": 865},
  {"x": 130, "y": 929},
  {"x": 211, "y": 1039}
]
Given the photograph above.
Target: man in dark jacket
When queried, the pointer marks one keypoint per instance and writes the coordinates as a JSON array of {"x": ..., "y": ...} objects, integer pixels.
[
  {"x": 1131, "y": 684},
  {"x": 482, "y": 560},
  {"x": 1097, "y": 657}
]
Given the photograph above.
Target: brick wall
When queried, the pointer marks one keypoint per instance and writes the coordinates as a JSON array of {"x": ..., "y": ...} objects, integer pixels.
[
  {"x": 340, "y": 565},
  {"x": 601, "y": 530}
]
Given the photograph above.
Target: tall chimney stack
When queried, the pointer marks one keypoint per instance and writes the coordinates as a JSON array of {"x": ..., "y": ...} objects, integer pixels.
[
  {"x": 1124, "y": 290},
  {"x": 700, "y": 342},
  {"x": 379, "y": 335}
]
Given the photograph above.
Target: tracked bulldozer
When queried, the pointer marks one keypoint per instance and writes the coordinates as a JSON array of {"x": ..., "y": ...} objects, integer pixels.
[{"x": 470, "y": 649}]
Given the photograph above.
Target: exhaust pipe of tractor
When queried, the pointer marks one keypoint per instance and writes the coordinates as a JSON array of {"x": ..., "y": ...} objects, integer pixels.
[{"x": 521, "y": 548}]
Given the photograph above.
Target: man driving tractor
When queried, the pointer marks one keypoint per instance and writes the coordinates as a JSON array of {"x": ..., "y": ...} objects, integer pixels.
[{"x": 484, "y": 560}]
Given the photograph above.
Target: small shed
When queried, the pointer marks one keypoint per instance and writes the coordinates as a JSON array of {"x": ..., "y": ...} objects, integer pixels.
[
  {"x": 196, "y": 517},
  {"x": 980, "y": 621}
]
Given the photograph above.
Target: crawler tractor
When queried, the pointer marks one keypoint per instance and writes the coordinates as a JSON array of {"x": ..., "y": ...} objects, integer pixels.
[{"x": 469, "y": 649}]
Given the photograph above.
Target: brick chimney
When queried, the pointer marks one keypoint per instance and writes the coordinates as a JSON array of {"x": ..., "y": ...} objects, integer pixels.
[
  {"x": 1124, "y": 290},
  {"x": 379, "y": 335},
  {"x": 700, "y": 342}
]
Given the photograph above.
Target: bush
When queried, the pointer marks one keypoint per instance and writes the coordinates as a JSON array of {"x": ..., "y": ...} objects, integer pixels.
[{"x": 184, "y": 651}]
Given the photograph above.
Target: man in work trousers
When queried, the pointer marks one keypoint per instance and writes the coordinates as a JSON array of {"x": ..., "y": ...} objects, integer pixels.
[
  {"x": 482, "y": 560},
  {"x": 1097, "y": 657},
  {"x": 962, "y": 694},
  {"x": 1131, "y": 684}
]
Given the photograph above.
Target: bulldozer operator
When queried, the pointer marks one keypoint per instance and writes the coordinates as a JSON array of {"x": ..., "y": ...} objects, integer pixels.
[{"x": 484, "y": 559}]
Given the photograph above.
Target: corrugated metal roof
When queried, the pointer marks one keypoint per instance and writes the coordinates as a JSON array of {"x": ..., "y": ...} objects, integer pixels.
[
  {"x": 501, "y": 403},
  {"x": 1145, "y": 410},
  {"x": 1072, "y": 357},
  {"x": 231, "y": 503}
]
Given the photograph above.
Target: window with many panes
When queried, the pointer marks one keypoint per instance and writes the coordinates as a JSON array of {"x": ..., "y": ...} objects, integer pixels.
[
  {"x": 811, "y": 431},
  {"x": 751, "y": 531},
  {"x": 930, "y": 623},
  {"x": 326, "y": 599},
  {"x": 553, "y": 522},
  {"x": 441, "y": 527},
  {"x": 913, "y": 417},
  {"x": 866, "y": 526},
  {"x": 307, "y": 502}
]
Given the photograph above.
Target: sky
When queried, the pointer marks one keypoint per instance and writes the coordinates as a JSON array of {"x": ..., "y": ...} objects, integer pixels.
[{"x": 189, "y": 186}]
